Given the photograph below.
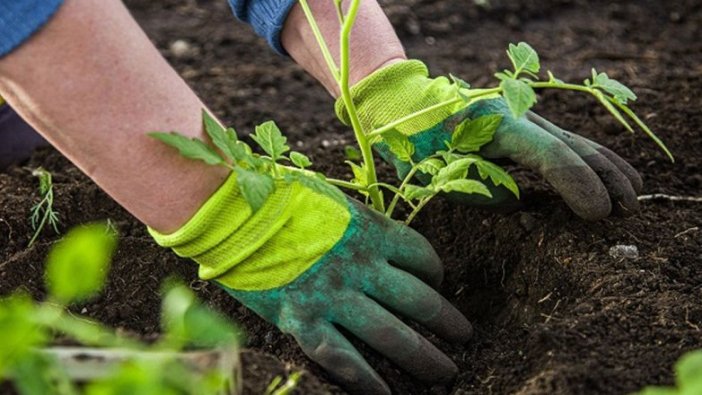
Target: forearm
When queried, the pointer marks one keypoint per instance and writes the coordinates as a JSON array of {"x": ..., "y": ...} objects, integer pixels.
[
  {"x": 374, "y": 42},
  {"x": 92, "y": 83}
]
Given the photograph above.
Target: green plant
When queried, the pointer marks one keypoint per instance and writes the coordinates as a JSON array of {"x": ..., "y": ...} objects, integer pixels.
[
  {"x": 447, "y": 169},
  {"x": 277, "y": 387},
  {"x": 27, "y": 326},
  {"x": 688, "y": 377},
  {"x": 43, "y": 212}
]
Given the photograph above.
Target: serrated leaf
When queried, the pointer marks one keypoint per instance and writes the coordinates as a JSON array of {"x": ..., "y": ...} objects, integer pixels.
[
  {"x": 254, "y": 187},
  {"x": 360, "y": 175},
  {"x": 431, "y": 166},
  {"x": 399, "y": 145},
  {"x": 524, "y": 57},
  {"x": 471, "y": 134},
  {"x": 300, "y": 160},
  {"x": 352, "y": 153},
  {"x": 619, "y": 91},
  {"x": 191, "y": 148},
  {"x": 269, "y": 137},
  {"x": 86, "y": 250},
  {"x": 413, "y": 192},
  {"x": 497, "y": 175},
  {"x": 222, "y": 138},
  {"x": 466, "y": 186},
  {"x": 319, "y": 184},
  {"x": 520, "y": 97},
  {"x": 455, "y": 170}
]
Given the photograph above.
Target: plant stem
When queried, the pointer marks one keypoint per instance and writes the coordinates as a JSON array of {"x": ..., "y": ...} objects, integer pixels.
[
  {"x": 564, "y": 86},
  {"x": 346, "y": 184},
  {"x": 396, "y": 198},
  {"x": 320, "y": 40},
  {"x": 48, "y": 201},
  {"x": 363, "y": 141},
  {"x": 394, "y": 124},
  {"x": 341, "y": 75},
  {"x": 419, "y": 208}
]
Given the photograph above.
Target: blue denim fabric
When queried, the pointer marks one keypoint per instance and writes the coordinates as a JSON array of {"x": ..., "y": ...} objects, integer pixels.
[
  {"x": 267, "y": 18},
  {"x": 19, "y": 19}
]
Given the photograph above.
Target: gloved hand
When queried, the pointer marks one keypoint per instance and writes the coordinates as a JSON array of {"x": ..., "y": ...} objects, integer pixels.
[
  {"x": 306, "y": 262},
  {"x": 590, "y": 178}
]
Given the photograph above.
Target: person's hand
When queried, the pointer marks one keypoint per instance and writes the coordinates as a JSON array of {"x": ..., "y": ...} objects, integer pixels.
[
  {"x": 309, "y": 264},
  {"x": 591, "y": 178}
]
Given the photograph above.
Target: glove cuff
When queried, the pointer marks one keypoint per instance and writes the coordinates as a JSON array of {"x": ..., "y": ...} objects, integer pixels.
[
  {"x": 262, "y": 250},
  {"x": 396, "y": 91}
]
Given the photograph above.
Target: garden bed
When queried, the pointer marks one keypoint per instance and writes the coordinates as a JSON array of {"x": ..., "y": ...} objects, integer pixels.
[{"x": 553, "y": 310}]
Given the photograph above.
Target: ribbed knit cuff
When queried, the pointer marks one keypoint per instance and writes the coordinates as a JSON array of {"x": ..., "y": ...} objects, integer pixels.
[
  {"x": 267, "y": 17},
  {"x": 224, "y": 231},
  {"x": 19, "y": 19}
]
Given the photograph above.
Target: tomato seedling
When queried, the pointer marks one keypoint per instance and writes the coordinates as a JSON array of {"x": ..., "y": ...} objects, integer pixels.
[{"x": 446, "y": 169}]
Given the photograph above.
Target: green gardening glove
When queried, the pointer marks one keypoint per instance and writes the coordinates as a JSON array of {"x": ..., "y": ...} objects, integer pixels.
[
  {"x": 591, "y": 179},
  {"x": 308, "y": 263}
]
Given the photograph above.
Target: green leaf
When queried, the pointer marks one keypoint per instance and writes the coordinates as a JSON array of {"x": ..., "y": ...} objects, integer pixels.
[
  {"x": 269, "y": 137},
  {"x": 552, "y": 78},
  {"x": 460, "y": 84},
  {"x": 688, "y": 370},
  {"x": 455, "y": 170},
  {"x": 319, "y": 184},
  {"x": 466, "y": 186},
  {"x": 224, "y": 139},
  {"x": 430, "y": 166},
  {"x": 85, "y": 251},
  {"x": 360, "y": 175},
  {"x": 470, "y": 135},
  {"x": 619, "y": 91},
  {"x": 191, "y": 148},
  {"x": 187, "y": 321},
  {"x": 18, "y": 331},
  {"x": 399, "y": 145},
  {"x": 300, "y": 160},
  {"x": 523, "y": 57},
  {"x": 254, "y": 187},
  {"x": 497, "y": 175},
  {"x": 520, "y": 97},
  {"x": 352, "y": 153},
  {"x": 413, "y": 192}
]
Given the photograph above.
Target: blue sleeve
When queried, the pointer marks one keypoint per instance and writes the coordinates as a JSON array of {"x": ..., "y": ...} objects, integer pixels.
[
  {"x": 19, "y": 19},
  {"x": 267, "y": 18}
]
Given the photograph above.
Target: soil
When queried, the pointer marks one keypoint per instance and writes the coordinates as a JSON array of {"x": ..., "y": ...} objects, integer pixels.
[{"x": 554, "y": 312}]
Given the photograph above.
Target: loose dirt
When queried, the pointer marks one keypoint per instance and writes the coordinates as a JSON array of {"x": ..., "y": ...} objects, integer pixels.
[{"x": 554, "y": 313}]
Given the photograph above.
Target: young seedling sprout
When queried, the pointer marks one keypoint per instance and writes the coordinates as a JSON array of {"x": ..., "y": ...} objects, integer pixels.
[
  {"x": 444, "y": 171},
  {"x": 43, "y": 212}
]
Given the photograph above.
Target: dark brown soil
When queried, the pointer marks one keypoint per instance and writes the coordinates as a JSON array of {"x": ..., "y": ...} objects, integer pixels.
[{"x": 553, "y": 311}]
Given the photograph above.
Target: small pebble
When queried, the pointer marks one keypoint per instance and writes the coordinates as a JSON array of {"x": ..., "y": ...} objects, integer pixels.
[
  {"x": 180, "y": 48},
  {"x": 326, "y": 143},
  {"x": 624, "y": 251}
]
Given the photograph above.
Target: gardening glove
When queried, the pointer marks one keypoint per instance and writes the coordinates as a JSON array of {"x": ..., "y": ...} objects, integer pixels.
[
  {"x": 309, "y": 263},
  {"x": 590, "y": 178}
]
